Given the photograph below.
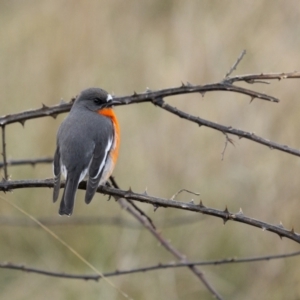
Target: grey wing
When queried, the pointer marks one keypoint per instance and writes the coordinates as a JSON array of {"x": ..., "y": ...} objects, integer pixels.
[
  {"x": 97, "y": 166},
  {"x": 57, "y": 170}
]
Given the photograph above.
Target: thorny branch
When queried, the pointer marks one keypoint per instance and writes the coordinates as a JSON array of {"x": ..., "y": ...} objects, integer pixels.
[
  {"x": 157, "y": 97},
  {"x": 167, "y": 245},
  {"x": 139, "y": 215},
  {"x": 225, "y": 214},
  {"x": 225, "y": 129},
  {"x": 126, "y": 198},
  {"x": 11, "y": 266}
]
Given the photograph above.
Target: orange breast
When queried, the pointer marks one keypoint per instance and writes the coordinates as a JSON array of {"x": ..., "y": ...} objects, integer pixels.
[{"x": 108, "y": 112}]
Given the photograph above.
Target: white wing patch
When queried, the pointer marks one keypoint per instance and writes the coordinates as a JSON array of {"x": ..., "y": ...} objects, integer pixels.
[
  {"x": 82, "y": 175},
  {"x": 63, "y": 170},
  {"x": 108, "y": 147}
]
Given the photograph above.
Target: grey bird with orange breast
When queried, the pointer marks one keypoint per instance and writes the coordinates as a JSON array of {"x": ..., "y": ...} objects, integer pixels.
[{"x": 87, "y": 145}]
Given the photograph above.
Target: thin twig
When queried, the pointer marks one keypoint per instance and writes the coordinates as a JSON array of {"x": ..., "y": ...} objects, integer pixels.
[
  {"x": 4, "y": 153},
  {"x": 226, "y": 261},
  {"x": 235, "y": 64},
  {"x": 227, "y": 139},
  {"x": 183, "y": 190},
  {"x": 32, "y": 162},
  {"x": 253, "y": 78}
]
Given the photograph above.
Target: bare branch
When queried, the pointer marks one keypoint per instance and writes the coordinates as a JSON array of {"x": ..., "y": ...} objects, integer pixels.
[
  {"x": 148, "y": 224},
  {"x": 226, "y": 129},
  {"x": 33, "y": 162},
  {"x": 115, "y": 185},
  {"x": 156, "y": 97},
  {"x": 12, "y": 266},
  {"x": 225, "y": 215},
  {"x": 148, "y": 96},
  {"x": 228, "y": 139},
  {"x": 45, "y": 111},
  {"x": 255, "y": 78},
  {"x": 167, "y": 245},
  {"x": 235, "y": 64},
  {"x": 183, "y": 190},
  {"x": 4, "y": 153}
]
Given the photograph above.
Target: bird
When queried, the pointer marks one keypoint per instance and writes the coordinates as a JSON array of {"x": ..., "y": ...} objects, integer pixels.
[{"x": 87, "y": 145}]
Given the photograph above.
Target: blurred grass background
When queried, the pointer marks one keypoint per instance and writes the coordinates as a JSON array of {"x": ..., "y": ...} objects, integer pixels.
[{"x": 53, "y": 49}]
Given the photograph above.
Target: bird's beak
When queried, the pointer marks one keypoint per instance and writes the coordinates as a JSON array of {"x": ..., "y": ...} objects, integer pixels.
[{"x": 113, "y": 102}]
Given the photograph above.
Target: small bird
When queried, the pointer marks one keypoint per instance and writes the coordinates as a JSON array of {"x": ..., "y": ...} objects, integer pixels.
[{"x": 88, "y": 143}]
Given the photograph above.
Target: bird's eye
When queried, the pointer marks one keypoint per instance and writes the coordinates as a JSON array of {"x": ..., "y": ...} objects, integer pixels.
[{"x": 97, "y": 101}]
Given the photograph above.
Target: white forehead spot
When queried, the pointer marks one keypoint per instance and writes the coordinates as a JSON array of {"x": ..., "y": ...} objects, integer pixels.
[{"x": 109, "y": 98}]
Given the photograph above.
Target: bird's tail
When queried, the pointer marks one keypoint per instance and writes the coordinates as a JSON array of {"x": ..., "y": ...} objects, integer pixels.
[{"x": 68, "y": 198}]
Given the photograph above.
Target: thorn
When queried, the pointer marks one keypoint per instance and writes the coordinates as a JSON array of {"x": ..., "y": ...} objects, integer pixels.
[
  {"x": 231, "y": 141},
  {"x": 62, "y": 101},
  {"x": 54, "y": 116},
  {"x": 109, "y": 197},
  {"x": 202, "y": 94},
  {"x": 182, "y": 84},
  {"x": 128, "y": 192},
  {"x": 73, "y": 99},
  {"x": 188, "y": 84},
  {"x": 192, "y": 201},
  {"x": 251, "y": 100},
  {"x": 148, "y": 90},
  {"x": 226, "y": 210},
  {"x": 226, "y": 218},
  {"x": 201, "y": 204},
  {"x": 292, "y": 230},
  {"x": 22, "y": 122},
  {"x": 134, "y": 94},
  {"x": 240, "y": 213},
  {"x": 155, "y": 207},
  {"x": 280, "y": 225},
  {"x": 145, "y": 192},
  {"x": 44, "y": 106}
]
